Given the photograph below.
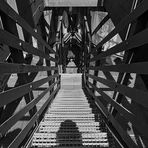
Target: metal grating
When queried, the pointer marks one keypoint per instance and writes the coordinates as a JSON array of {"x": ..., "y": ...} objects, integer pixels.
[{"x": 69, "y": 120}]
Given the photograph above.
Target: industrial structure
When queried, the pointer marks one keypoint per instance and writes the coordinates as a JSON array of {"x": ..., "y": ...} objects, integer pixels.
[{"x": 73, "y": 73}]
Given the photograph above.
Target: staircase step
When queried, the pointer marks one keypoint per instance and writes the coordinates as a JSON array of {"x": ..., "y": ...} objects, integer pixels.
[{"x": 69, "y": 121}]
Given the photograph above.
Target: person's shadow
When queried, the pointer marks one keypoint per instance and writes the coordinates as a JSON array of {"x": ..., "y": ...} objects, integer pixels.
[{"x": 68, "y": 134}]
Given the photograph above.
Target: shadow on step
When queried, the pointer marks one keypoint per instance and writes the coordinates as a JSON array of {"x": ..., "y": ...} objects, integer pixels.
[{"x": 68, "y": 134}]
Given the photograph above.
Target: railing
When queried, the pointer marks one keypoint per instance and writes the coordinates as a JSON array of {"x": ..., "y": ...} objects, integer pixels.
[
  {"x": 124, "y": 106},
  {"x": 27, "y": 80}
]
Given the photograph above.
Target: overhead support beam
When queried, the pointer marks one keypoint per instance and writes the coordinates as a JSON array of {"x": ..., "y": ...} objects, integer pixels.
[{"x": 71, "y": 3}]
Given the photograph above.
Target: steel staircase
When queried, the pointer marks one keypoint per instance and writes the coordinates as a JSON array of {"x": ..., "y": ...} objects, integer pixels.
[{"x": 69, "y": 121}]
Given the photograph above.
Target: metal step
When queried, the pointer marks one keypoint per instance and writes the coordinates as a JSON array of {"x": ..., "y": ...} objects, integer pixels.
[{"x": 69, "y": 121}]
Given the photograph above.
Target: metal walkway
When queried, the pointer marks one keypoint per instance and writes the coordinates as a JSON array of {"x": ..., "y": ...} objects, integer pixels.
[
  {"x": 38, "y": 39},
  {"x": 69, "y": 120}
]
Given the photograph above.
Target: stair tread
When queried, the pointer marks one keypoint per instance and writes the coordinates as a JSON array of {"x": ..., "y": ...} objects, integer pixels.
[{"x": 69, "y": 121}]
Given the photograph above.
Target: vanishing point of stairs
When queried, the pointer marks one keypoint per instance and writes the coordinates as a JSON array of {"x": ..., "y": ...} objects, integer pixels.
[{"x": 69, "y": 121}]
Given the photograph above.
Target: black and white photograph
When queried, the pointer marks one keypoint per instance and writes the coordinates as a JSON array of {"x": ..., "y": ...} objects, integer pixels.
[{"x": 73, "y": 74}]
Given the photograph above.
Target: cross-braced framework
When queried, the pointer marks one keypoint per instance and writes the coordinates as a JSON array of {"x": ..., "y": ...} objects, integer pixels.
[{"x": 106, "y": 41}]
